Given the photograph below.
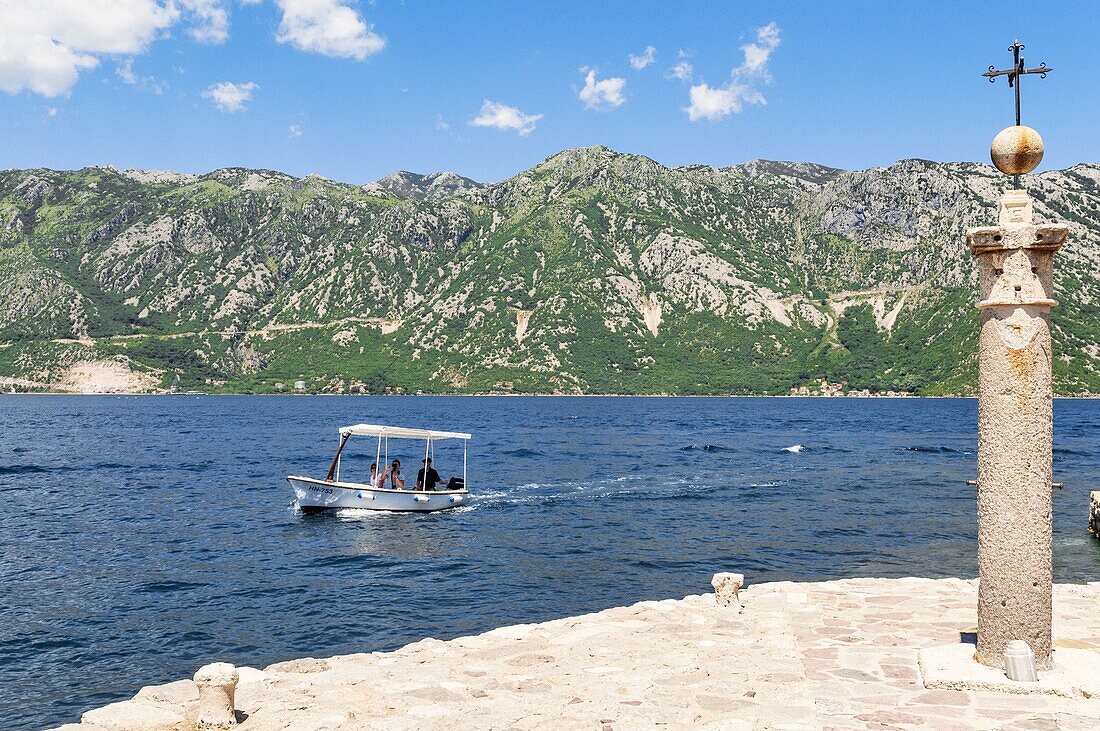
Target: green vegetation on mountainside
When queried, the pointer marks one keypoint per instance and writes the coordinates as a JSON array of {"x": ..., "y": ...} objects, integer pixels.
[{"x": 594, "y": 272}]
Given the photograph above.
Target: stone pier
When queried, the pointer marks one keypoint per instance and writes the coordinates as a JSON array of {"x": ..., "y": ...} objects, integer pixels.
[
  {"x": 799, "y": 656},
  {"x": 1015, "y": 430}
]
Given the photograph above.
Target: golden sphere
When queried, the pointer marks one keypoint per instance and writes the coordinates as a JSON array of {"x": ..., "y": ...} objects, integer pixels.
[{"x": 1017, "y": 150}]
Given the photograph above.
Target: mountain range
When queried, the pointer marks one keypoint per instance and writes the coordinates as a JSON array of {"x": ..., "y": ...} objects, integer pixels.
[{"x": 593, "y": 272}]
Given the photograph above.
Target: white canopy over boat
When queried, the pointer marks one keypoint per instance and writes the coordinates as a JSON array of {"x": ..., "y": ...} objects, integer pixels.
[{"x": 400, "y": 432}]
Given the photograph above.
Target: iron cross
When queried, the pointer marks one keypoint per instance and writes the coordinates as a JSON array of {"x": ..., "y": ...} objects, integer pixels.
[{"x": 1016, "y": 72}]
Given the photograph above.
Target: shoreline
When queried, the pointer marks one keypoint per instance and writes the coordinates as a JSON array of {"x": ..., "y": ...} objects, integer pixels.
[
  {"x": 802, "y": 655},
  {"x": 1088, "y": 397}
]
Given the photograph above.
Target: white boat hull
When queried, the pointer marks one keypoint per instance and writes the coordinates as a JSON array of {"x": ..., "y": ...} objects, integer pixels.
[{"x": 312, "y": 494}]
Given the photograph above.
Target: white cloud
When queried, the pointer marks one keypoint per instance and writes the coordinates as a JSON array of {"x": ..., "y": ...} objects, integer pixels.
[
  {"x": 445, "y": 127},
  {"x": 602, "y": 95},
  {"x": 757, "y": 54},
  {"x": 125, "y": 71},
  {"x": 294, "y": 131},
  {"x": 45, "y": 44},
  {"x": 681, "y": 71},
  {"x": 640, "y": 62},
  {"x": 715, "y": 103},
  {"x": 230, "y": 97},
  {"x": 504, "y": 117},
  {"x": 51, "y": 112},
  {"x": 328, "y": 27},
  {"x": 212, "y": 18}
]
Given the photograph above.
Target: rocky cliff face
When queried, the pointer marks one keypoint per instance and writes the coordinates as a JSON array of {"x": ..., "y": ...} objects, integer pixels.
[
  {"x": 592, "y": 272},
  {"x": 430, "y": 187}
]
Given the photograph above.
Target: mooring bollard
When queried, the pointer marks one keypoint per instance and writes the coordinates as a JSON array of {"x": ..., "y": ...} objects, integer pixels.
[
  {"x": 726, "y": 586},
  {"x": 217, "y": 684},
  {"x": 1094, "y": 513}
]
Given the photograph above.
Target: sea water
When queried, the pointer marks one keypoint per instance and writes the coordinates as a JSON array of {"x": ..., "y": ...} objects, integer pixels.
[{"x": 145, "y": 536}]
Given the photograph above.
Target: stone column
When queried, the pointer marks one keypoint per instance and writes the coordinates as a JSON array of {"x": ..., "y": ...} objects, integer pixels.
[{"x": 1015, "y": 430}]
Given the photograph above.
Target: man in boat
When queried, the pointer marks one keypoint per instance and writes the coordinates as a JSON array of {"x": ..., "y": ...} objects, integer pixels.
[
  {"x": 374, "y": 476},
  {"x": 431, "y": 479}
]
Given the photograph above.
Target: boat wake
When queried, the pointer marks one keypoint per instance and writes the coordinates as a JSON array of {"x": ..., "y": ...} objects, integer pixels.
[
  {"x": 638, "y": 487},
  {"x": 932, "y": 450},
  {"x": 795, "y": 448}
]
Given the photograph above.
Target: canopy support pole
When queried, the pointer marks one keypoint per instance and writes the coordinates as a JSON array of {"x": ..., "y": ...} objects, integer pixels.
[
  {"x": 336, "y": 460},
  {"x": 377, "y": 459},
  {"x": 424, "y": 482}
]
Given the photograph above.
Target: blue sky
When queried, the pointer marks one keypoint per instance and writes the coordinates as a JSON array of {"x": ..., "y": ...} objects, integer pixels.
[{"x": 353, "y": 90}]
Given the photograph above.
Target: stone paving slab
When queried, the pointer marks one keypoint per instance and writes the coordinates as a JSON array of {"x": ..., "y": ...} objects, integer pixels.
[{"x": 826, "y": 655}]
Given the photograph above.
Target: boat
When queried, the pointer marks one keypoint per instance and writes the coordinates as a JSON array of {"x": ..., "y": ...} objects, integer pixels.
[{"x": 332, "y": 493}]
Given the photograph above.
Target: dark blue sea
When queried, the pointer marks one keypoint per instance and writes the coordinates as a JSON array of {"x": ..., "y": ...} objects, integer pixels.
[{"x": 145, "y": 536}]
